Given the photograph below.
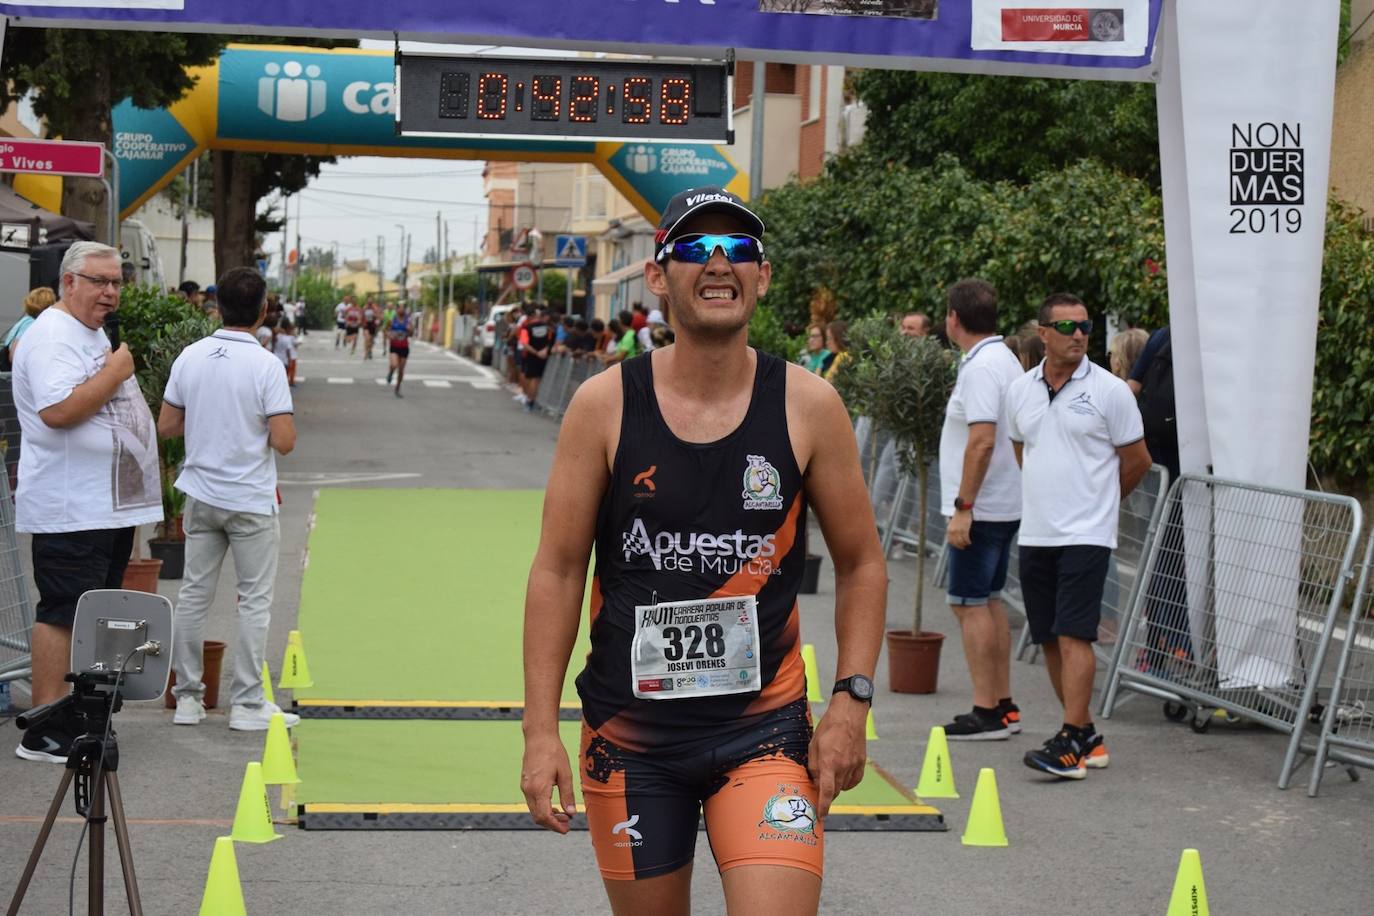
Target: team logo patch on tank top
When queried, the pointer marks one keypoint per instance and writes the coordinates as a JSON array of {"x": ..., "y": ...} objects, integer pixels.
[{"x": 762, "y": 484}]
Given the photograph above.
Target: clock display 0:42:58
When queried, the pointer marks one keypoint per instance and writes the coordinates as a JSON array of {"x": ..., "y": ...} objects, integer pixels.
[{"x": 579, "y": 99}]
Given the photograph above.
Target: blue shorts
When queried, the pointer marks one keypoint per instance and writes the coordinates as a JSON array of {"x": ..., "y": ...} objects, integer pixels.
[{"x": 978, "y": 573}]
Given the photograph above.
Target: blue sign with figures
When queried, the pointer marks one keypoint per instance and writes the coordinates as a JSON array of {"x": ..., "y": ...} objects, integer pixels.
[
  {"x": 570, "y": 250},
  {"x": 293, "y": 95},
  {"x": 985, "y": 35},
  {"x": 657, "y": 171}
]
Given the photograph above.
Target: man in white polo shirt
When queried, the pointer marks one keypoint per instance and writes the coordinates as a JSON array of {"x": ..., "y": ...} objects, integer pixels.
[
  {"x": 1078, "y": 436},
  {"x": 229, "y": 397},
  {"x": 980, "y": 494}
]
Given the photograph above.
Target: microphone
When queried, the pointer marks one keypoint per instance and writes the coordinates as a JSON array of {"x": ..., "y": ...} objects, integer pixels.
[{"x": 112, "y": 329}]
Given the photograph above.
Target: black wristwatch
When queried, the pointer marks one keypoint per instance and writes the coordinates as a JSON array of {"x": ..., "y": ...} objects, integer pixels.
[
  {"x": 857, "y": 686},
  {"x": 960, "y": 505}
]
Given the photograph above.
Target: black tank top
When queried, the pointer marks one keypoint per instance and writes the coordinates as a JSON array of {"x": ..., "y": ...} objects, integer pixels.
[{"x": 683, "y": 521}]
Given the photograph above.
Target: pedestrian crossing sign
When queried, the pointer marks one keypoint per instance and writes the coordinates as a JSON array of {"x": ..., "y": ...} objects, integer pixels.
[{"x": 570, "y": 250}]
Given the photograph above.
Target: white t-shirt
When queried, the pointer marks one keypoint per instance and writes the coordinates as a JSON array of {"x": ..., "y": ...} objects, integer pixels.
[
  {"x": 264, "y": 335},
  {"x": 985, "y": 373},
  {"x": 645, "y": 338},
  {"x": 285, "y": 347},
  {"x": 339, "y": 311},
  {"x": 229, "y": 386},
  {"x": 1070, "y": 471},
  {"x": 99, "y": 474}
]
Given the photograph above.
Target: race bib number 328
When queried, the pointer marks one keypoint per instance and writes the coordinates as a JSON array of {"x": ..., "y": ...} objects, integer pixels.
[{"x": 699, "y": 648}]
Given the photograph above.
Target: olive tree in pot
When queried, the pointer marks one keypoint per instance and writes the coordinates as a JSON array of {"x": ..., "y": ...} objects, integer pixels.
[
  {"x": 913, "y": 380},
  {"x": 157, "y": 328}
]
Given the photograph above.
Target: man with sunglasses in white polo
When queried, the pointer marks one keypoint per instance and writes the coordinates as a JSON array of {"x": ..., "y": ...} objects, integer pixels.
[
  {"x": 1077, "y": 434},
  {"x": 689, "y": 470}
]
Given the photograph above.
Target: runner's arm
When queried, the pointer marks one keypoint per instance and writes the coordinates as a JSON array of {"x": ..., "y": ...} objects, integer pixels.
[
  {"x": 553, "y": 596},
  {"x": 836, "y": 491}
]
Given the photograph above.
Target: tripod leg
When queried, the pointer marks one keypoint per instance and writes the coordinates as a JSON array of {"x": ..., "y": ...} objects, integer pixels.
[
  {"x": 95, "y": 851},
  {"x": 40, "y": 842},
  {"x": 126, "y": 853}
]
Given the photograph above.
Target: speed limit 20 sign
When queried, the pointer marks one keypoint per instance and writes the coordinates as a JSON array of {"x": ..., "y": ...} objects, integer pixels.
[{"x": 522, "y": 276}]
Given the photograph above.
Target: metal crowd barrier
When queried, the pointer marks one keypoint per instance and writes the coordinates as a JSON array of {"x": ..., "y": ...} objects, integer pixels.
[
  {"x": 9, "y": 429},
  {"x": 1347, "y": 722},
  {"x": 562, "y": 376},
  {"x": 1243, "y": 585},
  {"x": 16, "y": 611},
  {"x": 1138, "y": 516}
]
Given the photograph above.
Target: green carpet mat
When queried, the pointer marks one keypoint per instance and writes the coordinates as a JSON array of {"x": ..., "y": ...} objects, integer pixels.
[
  {"x": 419, "y": 595},
  {"x": 363, "y": 773}
]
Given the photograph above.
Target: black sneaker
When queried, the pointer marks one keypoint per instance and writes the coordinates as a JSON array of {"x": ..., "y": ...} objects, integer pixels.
[
  {"x": 49, "y": 744},
  {"x": 1095, "y": 752},
  {"x": 1011, "y": 716},
  {"x": 974, "y": 726},
  {"x": 1061, "y": 756}
]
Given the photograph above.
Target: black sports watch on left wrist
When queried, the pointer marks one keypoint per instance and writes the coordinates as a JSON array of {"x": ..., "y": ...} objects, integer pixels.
[{"x": 857, "y": 686}]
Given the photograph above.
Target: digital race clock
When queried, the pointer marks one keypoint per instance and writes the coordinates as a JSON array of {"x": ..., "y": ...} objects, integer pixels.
[{"x": 563, "y": 98}]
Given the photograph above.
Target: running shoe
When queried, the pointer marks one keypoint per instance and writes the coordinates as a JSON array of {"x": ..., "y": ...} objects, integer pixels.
[
  {"x": 50, "y": 744},
  {"x": 1061, "y": 756},
  {"x": 1095, "y": 752},
  {"x": 1011, "y": 715},
  {"x": 974, "y": 726}
]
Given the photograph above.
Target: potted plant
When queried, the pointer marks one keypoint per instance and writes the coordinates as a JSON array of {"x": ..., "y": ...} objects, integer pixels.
[
  {"x": 157, "y": 328},
  {"x": 908, "y": 382}
]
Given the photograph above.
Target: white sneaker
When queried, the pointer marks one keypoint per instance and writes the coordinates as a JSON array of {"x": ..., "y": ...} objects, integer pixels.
[
  {"x": 190, "y": 711},
  {"x": 256, "y": 719}
]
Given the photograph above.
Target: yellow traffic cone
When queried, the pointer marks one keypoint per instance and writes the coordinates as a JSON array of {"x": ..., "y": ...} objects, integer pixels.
[
  {"x": 267, "y": 684},
  {"x": 870, "y": 733},
  {"x": 278, "y": 768},
  {"x": 294, "y": 671},
  {"x": 1190, "y": 894},
  {"x": 223, "y": 894},
  {"x": 253, "y": 819},
  {"x": 813, "y": 674},
  {"x": 937, "y": 773},
  {"x": 293, "y": 638},
  {"x": 984, "y": 826}
]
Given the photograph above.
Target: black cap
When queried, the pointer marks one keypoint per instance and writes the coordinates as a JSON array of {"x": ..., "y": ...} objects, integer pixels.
[{"x": 693, "y": 201}]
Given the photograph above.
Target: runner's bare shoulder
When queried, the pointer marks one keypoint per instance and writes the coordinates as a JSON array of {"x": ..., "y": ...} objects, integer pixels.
[{"x": 815, "y": 413}]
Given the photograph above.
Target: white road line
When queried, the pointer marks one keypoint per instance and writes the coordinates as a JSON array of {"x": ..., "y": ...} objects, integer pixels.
[
  {"x": 339, "y": 381},
  {"x": 437, "y": 383}
]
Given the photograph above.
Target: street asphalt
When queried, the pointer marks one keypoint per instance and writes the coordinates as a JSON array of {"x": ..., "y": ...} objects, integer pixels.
[{"x": 1108, "y": 844}]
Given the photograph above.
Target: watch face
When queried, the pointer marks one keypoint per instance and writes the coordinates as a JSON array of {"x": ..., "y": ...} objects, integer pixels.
[{"x": 861, "y": 686}]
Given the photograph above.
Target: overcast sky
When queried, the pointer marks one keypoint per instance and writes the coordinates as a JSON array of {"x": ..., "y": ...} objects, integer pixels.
[{"x": 359, "y": 198}]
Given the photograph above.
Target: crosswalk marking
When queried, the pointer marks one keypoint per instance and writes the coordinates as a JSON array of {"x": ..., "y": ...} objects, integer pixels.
[
  {"x": 437, "y": 383},
  {"x": 333, "y": 380}
]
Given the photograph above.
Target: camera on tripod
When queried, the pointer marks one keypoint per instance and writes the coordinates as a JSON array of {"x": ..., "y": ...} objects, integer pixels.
[{"x": 121, "y": 649}]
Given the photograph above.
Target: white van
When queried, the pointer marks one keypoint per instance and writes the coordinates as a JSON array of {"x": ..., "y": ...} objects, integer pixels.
[{"x": 138, "y": 247}]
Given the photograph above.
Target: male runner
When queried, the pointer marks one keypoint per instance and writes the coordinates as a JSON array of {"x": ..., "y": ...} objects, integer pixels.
[
  {"x": 369, "y": 327},
  {"x": 353, "y": 320},
  {"x": 691, "y": 470},
  {"x": 398, "y": 333},
  {"x": 339, "y": 326}
]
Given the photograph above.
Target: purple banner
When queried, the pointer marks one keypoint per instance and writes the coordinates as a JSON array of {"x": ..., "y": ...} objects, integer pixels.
[{"x": 882, "y": 33}]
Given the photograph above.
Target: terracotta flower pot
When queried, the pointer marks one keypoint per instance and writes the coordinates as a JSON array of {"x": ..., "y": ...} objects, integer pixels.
[
  {"x": 913, "y": 661},
  {"x": 141, "y": 575},
  {"x": 212, "y": 656}
]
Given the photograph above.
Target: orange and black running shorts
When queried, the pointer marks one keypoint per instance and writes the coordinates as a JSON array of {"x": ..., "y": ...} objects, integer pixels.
[{"x": 643, "y": 809}]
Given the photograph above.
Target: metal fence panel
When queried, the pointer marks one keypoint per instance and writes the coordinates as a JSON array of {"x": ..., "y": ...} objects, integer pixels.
[
  {"x": 16, "y": 611},
  {"x": 1243, "y": 585},
  {"x": 1347, "y": 725},
  {"x": 9, "y": 430}
]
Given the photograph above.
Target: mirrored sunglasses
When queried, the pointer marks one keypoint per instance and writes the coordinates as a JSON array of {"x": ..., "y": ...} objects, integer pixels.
[
  {"x": 1066, "y": 326},
  {"x": 697, "y": 249}
]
